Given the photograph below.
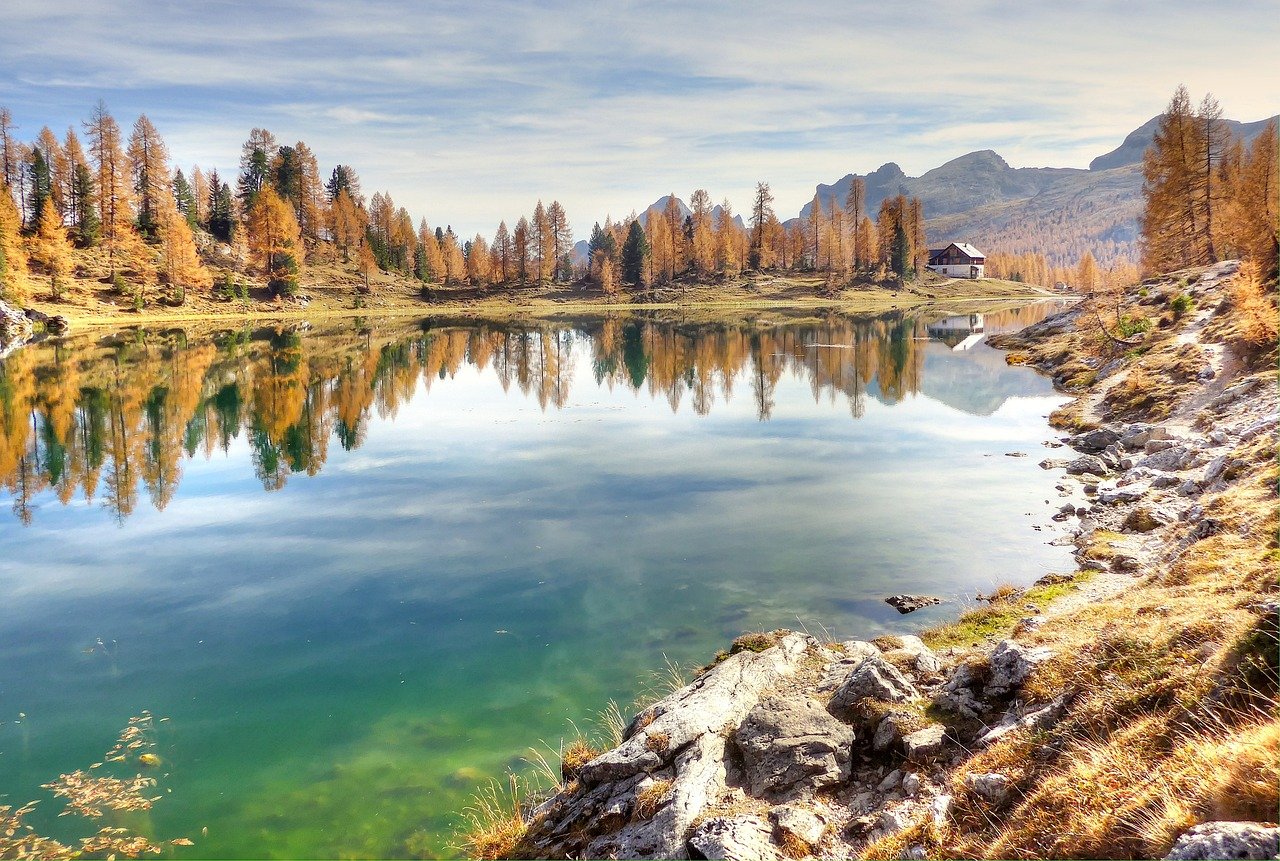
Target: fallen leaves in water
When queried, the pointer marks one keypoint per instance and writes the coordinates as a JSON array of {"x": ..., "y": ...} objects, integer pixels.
[{"x": 90, "y": 795}]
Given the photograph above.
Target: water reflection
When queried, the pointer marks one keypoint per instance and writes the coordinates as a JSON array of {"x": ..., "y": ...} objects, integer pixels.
[{"x": 100, "y": 418}]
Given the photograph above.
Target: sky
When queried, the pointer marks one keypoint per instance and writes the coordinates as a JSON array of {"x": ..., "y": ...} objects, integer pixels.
[{"x": 469, "y": 112}]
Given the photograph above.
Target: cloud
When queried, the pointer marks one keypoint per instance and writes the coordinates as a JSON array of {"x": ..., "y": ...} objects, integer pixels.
[{"x": 468, "y": 112}]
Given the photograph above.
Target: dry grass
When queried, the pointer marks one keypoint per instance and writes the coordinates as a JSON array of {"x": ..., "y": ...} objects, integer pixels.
[
  {"x": 1175, "y": 716},
  {"x": 1256, "y": 320},
  {"x": 494, "y": 823},
  {"x": 651, "y": 798},
  {"x": 574, "y": 755}
]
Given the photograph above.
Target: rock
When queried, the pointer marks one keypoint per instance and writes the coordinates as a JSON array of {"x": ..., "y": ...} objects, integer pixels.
[
  {"x": 893, "y": 820},
  {"x": 1015, "y": 454},
  {"x": 740, "y": 838},
  {"x": 596, "y": 821},
  {"x": 961, "y": 692},
  {"x": 1214, "y": 469},
  {"x": 1259, "y": 427},
  {"x": 1129, "y": 493},
  {"x": 1144, "y": 519},
  {"x": 1011, "y": 664},
  {"x": 1156, "y": 445},
  {"x": 891, "y": 781},
  {"x": 940, "y": 809},
  {"x": 1221, "y": 840},
  {"x": 1164, "y": 479},
  {"x": 1218, "y": 437},
  {"x": 925, "y": 661},
  {"x": 1190, "y": 487},
  {"x": 1169, "y": 460},
  {"x": 990, "y": 787},
  {"x": 1087, "y": 465},
  {"x": 1095, "y": 440},
  {"x": 911, "y": 784},
  {"x": 15, "y": 328},
  {"x": 856, "y": 651},
  {"x": 787, "y": 741},
  {"x": 721, "y": 697},
  {"x": 875, "y": 678},
  {"x": 1041, "y": 718},
  {"x": 923, "y": 743},
  {"x": 801, "y": 823},
  {"x": 910, "y": 603},
  {"x": 890, "y": 730}
]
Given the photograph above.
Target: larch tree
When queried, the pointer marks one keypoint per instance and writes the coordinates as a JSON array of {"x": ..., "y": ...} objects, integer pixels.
[
  {"x": 149, "y": 168},
  {"x": 10, "y": 164},
  {"x": 13, "y": 257},
  {"x": 855, "y": 205},
  {"x": 51, "y": 250},
  {"x": 561, "y": 240},
  {"x": 180, "y": 263},
  {"x": 479, "y": 263},
  {"x": 347, "y": 222},
  {"x": 661, "y": 253},
  {"x": 727, "y": 240},
  {"x": 113, "y": 188},
  {"x": 433, "y": 258},
  {"x": 60, "y": 172},
  {"x": 702, "y": 251},
  {"x": 274, "y": 239},
  {"x": 675, "y": 229},
  {"x": 200, "y": 191},
  {"x": 761, "y": 211},
  {"x": 81, "y": 201},
  {"x": 520, "y": 247},
  {"x": 504, "y": 253},
  {"x": 455, "y": 265},
  {"x": 1172, "y": 222}
]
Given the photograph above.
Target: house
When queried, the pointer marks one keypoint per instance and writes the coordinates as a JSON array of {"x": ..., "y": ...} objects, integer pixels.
[
  {"x": 958, "y": 333},
  {"x": 958, "y": 260}
]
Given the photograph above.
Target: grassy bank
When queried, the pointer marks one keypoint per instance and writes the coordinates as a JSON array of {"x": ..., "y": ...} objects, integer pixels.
[{"x": 336, "y": 290}]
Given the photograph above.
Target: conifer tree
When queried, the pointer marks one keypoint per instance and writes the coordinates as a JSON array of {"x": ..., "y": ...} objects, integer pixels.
[
  {"x": 455, "y": 266},
  {"x": 761, "y": 211},
  {"x": 635, "y": 255},
  {"x": 854, "y": 206},
  {"x": 520, "y": 245},
  {"x": 275, "y": 241},
  {"x": 503, "y": 251},
  {"x": 113, "y": 189},
  {"x": 51, "y": 250},
  {"x": 60, "y": 171},
  {"x": 184, "y": 198},
  {"x": 479, "y": 263},
  {"x": 41, "y": 187},
  {"x": 180, "y": 263},
  {"x": 149, "y": 166},
  {"x": 13, "y": 257}
]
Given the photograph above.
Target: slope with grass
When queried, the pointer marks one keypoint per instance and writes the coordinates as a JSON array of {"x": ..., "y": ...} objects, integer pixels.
[{"x": 1125, "y": 709}]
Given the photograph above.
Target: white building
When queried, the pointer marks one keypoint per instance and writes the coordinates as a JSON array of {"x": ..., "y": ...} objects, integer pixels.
[{"x": 958, "y": 260}]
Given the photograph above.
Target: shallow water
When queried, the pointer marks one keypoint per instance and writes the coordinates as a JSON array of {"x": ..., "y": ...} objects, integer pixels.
[{"x": 362, "y": 572}]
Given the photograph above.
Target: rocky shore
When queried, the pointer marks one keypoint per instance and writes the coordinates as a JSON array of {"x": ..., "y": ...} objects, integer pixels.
[
  {"x": 20, "y": 327},
  {"x": 967, "y": 739}
]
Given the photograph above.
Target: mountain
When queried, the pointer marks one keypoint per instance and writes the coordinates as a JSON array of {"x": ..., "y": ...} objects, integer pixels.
[
  {"x": 1061, "y": 212},
  {"x": 1137, "y": 141},
  {"x": 660, "y": 206}
]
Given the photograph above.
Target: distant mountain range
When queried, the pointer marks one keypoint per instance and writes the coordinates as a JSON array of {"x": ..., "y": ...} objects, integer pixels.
[{"x": 978, "y": 198}]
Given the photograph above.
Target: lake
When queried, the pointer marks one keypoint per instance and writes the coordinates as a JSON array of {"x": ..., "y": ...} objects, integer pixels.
[{"x": 363, "y": 567}]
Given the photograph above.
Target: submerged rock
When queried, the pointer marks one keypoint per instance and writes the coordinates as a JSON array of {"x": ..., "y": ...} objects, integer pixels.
[{"x": 910, "y": 603}]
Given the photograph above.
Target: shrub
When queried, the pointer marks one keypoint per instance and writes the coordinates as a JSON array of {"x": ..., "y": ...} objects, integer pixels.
[{"x": 1180, "y": 305}]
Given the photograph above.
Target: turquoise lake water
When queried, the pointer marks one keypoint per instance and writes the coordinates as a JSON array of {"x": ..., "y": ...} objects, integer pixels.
[{"x": 360, "y": 572}]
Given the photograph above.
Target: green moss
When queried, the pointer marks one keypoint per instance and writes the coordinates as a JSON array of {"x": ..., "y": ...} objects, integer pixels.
[{"x": 999, "y": 619}]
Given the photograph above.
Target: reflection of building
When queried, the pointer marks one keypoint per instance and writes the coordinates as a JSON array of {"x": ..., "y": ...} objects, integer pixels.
[
  {"x": 958, "y": 332},
  {"x": 958, "y": 260}
]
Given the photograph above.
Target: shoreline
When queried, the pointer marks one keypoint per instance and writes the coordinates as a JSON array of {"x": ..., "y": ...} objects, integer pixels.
[{"x": 915, "y": 746}]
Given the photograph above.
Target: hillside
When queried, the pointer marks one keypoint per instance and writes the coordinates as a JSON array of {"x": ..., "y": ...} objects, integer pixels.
[{"x": 1061, "y": 212}]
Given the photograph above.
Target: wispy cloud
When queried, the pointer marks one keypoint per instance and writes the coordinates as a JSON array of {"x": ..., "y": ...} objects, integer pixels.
[{"x": 467, "y": 112}]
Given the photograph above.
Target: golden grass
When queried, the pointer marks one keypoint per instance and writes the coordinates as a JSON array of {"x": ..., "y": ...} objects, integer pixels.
[
  {"x": 494, "y": 822},
  {"x": 652, "y": 797}
]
